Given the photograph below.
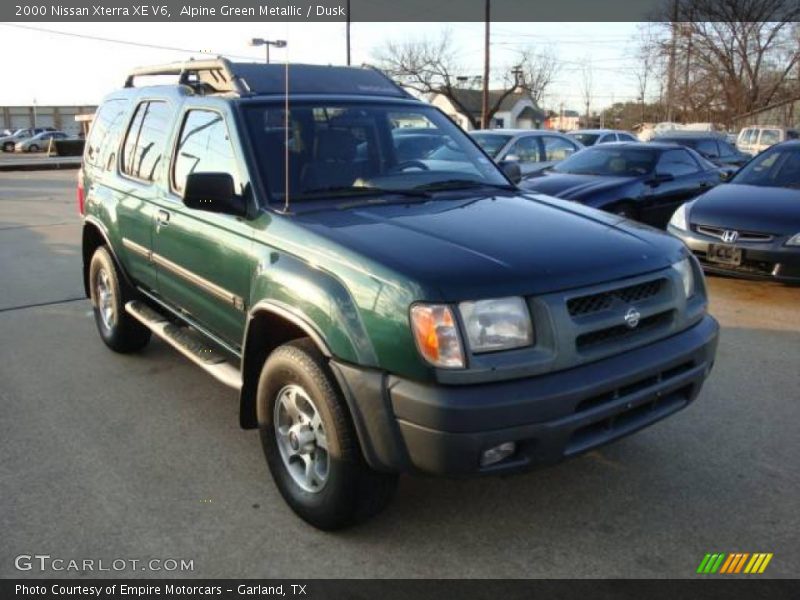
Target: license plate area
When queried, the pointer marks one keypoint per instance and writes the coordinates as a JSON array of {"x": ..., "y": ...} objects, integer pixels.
[{"x": 725, "y": 255}]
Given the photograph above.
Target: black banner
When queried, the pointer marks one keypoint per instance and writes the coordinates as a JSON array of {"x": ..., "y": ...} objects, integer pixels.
[{"x": 355, "y": 589}]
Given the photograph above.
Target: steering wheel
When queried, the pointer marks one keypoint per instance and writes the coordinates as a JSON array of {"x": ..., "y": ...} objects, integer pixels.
[{"x": 409, "y": 164}]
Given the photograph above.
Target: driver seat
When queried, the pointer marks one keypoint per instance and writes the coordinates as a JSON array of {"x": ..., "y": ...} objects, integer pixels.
[{"x": 333, "y": 162}]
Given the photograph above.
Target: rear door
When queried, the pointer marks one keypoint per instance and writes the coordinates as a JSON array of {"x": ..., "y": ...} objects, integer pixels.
[
  {"x": 204, "y": 259},
  {"x": 141, "y": 163},
  {"x": 555, "y": 149}
]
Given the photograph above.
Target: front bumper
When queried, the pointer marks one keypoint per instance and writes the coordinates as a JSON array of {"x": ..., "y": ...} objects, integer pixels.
[
  {"x": 772, "y": 260},
  {"x": 409, "y": 426}
]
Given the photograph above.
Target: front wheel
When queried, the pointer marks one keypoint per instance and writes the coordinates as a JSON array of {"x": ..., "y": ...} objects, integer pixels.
[
  {"x": 310, "y": 443},
  {"x": 33, "y": 148}
]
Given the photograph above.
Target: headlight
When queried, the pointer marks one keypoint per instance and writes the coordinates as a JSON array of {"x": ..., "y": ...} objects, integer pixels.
[
  {"x": 436, "y": 334},
  {"x": 794, "y": 240},
  {"x": 678, "y": 220},
  {"x": 684, "y": 269},
  {"x": 499, "y": 324}
]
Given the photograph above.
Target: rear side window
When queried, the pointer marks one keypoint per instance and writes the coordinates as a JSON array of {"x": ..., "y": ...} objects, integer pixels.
[
  {"x": 204, "y": 146},
  {"x": 144, "y": 143},
  {"x": 708, "y": 148},
  {"x": 104, "y": 134},
  {"x": 556, "y": 148},
  {"x": 770, "y": 136}
]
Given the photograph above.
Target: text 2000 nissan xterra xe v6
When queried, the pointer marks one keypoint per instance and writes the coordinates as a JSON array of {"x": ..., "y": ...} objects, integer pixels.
[{"x": 379, "y": 312}]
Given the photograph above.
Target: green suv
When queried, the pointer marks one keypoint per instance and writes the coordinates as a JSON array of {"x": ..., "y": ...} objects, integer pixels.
[{"x": 378, "y": 313}]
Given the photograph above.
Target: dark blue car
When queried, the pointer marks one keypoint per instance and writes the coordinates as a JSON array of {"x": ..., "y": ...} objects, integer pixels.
[
  {"x": 751, "y": 226},
  {"x": 642, "y": 182}
]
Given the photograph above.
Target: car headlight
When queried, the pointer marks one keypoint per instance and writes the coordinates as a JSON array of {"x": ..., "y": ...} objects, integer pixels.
[
  {"x": 684, "y": 269},
  {"x": 436, "y": 333},
  {"x": 679, "y": 220},
  {"x": 498, "y": 324},
  {"x": 794, "y": 240}
]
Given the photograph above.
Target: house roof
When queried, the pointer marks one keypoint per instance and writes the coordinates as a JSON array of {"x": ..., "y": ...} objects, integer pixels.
[{"x": 472, "y": 100}]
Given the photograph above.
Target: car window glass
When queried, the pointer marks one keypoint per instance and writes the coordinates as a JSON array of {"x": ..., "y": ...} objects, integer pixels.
[
  {"x": 707, "y": 147},
  {"x": 770, "y": 137},
  {"x": 625, "y": 137},
  {"x": 676, "y": 163},
  {"x": 776, "y": 167},
  {"x": 332, "y": 151},
  {"x": 616, "y": 161},
  {"x": 556, "y": 148},
  {"x": 492, "y": 143},
  {"x": 144, "y": 142},
  {"x": 204, "y": 146},
  {"x": 102, "y": 139},
  {"x": 753, "y": 137},
  {"x": 726, "y": 150},
  {"x": 526, "y": 150}
]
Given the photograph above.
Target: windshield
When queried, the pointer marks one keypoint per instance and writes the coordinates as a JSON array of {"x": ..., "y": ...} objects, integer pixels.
[
  {"x": 609, "y": 160},
  {"x": 350, "y": 149},
  {"x": 587, "y": 139},
  {"x": 778, "y": 167},
  {"x": 492, "y": 143}
]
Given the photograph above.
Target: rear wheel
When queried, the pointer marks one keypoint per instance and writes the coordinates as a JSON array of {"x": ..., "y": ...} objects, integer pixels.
[
  {"x": 8, "y": 147},
  {"x": 310, "y": 444},
  {"x": 109, "y": 293},
  {"x": 33, "y": 148}
]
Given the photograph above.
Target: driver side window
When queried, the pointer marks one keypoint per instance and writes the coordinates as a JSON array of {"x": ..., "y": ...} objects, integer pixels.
[{"x": 676, "y": 163}]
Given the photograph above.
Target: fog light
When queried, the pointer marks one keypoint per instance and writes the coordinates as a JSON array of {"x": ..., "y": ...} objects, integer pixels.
[{"x": 497, "y": 453}]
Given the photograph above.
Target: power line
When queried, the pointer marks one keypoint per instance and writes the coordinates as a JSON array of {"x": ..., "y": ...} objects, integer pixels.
[{"x": 116, "y": 41}]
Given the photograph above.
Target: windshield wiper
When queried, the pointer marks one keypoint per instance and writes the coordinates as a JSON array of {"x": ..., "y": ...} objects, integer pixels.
[
  {"x": 459, "y": 184},
  {"x": 358, "y": 190}
]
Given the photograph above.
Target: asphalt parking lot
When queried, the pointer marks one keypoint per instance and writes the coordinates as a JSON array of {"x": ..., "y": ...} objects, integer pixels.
[{"x": 138, "y": 457}]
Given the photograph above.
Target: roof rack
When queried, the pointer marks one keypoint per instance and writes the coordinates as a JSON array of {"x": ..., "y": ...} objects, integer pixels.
[
  {"x": 215, "y": 75},
  {"x": 219, "y": 76}
]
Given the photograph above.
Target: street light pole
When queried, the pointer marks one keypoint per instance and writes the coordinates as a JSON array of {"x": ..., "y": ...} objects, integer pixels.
[{"x": 268, "y": 43}]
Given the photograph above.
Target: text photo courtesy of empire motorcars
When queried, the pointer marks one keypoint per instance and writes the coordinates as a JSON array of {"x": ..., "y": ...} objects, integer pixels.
[{"x": 371, "y": 298}]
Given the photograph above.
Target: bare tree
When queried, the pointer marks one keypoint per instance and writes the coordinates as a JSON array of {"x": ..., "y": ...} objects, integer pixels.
[
  {"x": 431, "y": 66},
  {"x": 736, "y": 55},
  {"x": 649, "y": 64}
]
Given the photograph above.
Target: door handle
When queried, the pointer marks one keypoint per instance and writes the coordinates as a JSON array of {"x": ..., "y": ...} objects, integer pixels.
[{"x": 163, "y": 218}]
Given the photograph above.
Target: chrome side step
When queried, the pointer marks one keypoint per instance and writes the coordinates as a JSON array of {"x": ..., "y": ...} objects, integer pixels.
[{"x": 191, "y": 344}]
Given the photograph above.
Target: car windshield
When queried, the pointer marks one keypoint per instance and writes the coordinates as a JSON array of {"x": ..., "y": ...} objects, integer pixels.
[
  {"x": 321, "y": 151},
  {"x": 610, "y": 160},
  {"x": 777, "y": 167},
  {"x": 587, "y": 139},
  {"x": 492, "y": 143}
]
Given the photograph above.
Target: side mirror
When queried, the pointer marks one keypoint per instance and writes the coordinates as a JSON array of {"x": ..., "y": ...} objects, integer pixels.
[
  {"x": 511, "y": 169},
  {"x": 213, "y": 192},
  {"x": 659, "y": 178}
]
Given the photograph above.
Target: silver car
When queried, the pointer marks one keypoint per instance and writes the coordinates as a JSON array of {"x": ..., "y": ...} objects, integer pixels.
[
  {"x": 39, "y": 142},
  {"x": 533, "y": 149},
  {"x": 590, "y": 137}
]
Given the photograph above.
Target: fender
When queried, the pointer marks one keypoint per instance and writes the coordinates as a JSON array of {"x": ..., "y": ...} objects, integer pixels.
[{"x": 89, "y": 220}]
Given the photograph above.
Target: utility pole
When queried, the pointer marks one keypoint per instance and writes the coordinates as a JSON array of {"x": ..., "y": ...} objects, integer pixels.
[
  {"x": 348, "y": 33},
  {"x": 671, "y": 65},
  {"x": 485, "y": 103}
]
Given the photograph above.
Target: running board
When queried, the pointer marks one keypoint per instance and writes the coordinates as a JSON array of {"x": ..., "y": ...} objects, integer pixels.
[{"x": 191, "y": 344}]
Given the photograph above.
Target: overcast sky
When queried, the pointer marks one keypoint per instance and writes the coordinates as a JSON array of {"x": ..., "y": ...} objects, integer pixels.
[{"x": 68, "y": 69}]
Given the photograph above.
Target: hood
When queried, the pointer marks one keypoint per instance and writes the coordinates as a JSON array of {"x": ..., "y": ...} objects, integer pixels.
[
  {"x": 574, "y": 187},
  {"x": 749, "y": 208},
  {"x": 495, "y": 246}
]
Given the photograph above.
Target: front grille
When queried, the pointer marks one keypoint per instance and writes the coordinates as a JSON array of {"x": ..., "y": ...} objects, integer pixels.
[
  {"x": 593, "y": 303},
  {"x": 619, "y": 333},
  {"x": 744, "y": 236}
]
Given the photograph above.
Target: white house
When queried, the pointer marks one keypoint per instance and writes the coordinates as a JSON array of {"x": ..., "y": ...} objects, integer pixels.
[{"x": 517, "y": 110}]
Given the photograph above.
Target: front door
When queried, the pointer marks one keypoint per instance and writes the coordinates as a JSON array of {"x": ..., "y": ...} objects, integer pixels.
[{"x": 203, "y": 259}]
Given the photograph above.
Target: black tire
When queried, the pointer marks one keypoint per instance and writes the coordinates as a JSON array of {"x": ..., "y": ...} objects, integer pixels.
[
  {"x": 119, "y": 330},
  {"x": 33, "y": 148},
  {"x": 352, "y": 491},
  {"x": 8, "y": 147}
]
